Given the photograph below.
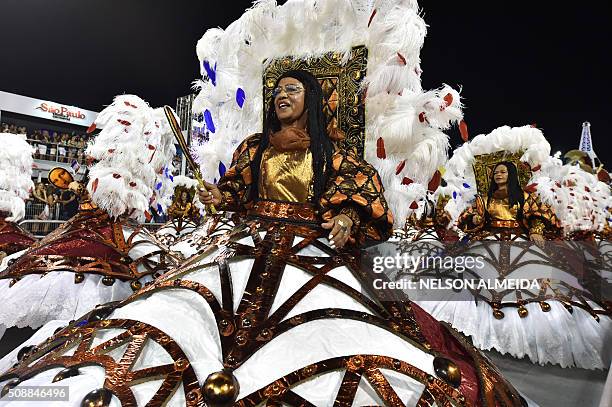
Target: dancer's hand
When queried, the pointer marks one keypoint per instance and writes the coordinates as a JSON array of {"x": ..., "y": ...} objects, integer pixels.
[
  {"x": 209, "y": 194},
  {"x": 340, "y": 226}
]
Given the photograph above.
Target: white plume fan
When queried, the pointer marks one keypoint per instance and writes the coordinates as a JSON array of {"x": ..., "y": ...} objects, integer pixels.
[
  {"x": 15, "y": 174},
  {"x": 407, "y": 120},
  {"x": 134, "y": 154},
  {"x": 577, "y": 197}
]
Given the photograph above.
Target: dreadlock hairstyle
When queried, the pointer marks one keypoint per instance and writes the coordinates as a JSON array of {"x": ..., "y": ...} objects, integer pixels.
[
  {"x": 320, "y": 144},
  {"x": 515, "y": 192}
]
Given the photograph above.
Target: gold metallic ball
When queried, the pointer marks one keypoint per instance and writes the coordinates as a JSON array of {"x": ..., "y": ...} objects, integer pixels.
[
  {"x": 97, "y": 398},
  {"x": 545, "y": 306},
  {"x": 13, "y": 282},
  {"x": 498, "y": 314},
  {"x": 78, "y": 278},
  {"x": 136, "y": 285},
  {"x": 108, "y": 281},
  {"x": 220, "y": 388},
  {"x": 448, "y": 371},
  {"x": 522, "y": 311}
]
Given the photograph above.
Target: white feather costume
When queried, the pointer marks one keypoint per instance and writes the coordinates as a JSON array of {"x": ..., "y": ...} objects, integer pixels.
[
  {"x": 134, "y": 152},
  {"x": 15, "y": 175},
  {"x": 308, "y": 320},
  {"x": 579, "y": 201}
]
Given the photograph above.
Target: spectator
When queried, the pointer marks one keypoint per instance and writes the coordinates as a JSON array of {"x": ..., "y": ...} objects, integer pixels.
[{"x": 70, "y": 205}]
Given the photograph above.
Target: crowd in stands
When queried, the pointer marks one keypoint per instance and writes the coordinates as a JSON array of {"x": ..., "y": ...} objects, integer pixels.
[
  {"x": 52, "y": 145},
  {"x": 48, "y": 202}
]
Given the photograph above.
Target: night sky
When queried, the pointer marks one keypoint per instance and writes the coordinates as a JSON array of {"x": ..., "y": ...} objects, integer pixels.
[{"x": 518, "y": 62}]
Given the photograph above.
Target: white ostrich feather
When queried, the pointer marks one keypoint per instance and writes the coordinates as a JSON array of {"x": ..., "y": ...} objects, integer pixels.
[
  {"x": 134, "y": 154},
  {"x": 577, "y": 197},
  {"x": 15, "y": 174}
]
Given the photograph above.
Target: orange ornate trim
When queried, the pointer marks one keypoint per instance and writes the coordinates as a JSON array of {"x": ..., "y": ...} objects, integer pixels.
[
  {"x": 505, "y": 224},
  {"x": 294, "y": 212}
]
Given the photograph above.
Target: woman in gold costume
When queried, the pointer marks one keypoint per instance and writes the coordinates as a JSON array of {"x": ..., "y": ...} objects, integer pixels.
[
  {"x": 508, "y": 209},
  {"x": 271, "y": 312},
  {"x": 295, "y": 162}
]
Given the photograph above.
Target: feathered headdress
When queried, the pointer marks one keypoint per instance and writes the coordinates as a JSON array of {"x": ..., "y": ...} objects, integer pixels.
[
  {"x": 577, "y": 197},
  {"x": 15, "y": 174},
  {"x": 459, "y": 175},
  {"x": 404, "y": 138},
  {"x": 134, "y": 154}
]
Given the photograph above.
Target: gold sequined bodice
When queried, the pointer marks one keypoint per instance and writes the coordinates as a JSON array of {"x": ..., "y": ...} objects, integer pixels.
[
  {"x": 499, "y": 209},
  {"x": 286, "y": 176}
]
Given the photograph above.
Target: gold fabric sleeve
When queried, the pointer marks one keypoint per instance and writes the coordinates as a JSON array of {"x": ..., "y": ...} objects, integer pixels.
[
  {"x": 538, "y": 217},
  {"x": 354, "y": 188},
  {"x": 235, "y": 183},
  {"x": 465, "y": 221}
]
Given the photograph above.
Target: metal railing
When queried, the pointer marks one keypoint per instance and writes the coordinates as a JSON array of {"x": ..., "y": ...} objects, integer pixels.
[
  {"x": 40, "y": 228},
  {"x": 35, "y": 208},
  {"x": 45, "y": 150}
]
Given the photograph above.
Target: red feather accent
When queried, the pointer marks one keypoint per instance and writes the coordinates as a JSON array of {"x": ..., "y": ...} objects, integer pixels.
[
  {"x": 148, "y": 216},
  {"x": 380, "y": 148},
  {"x": 448, "y": 99},
  {"x": 400, "y": 167},
  {"x": 407, "y": 181},
  {"x": 91, "y": 128},
  {"x": 117, "y": 176},
  {"x": 587, "y": 189},
  {"x": 132, "y": 184},
  {"x": 111, "y": 150},
  {"x": 422, "y": 117},
  {"x": 414, "y": 205},
  {"x": 401, "y": 58},
  {"x": 536, "y": 168},
  {"x": 463, "y": 129},
  {"x": 94, "y": 185},
  {"x": 531, "y": 187},
  {"x": 129, "y": 104},
  {"x": 434, "y": 183},
  {"x": 151, "y": 147},
  {"x": 603, "y": 176},
  {"x": 124, "y": 122},
  {"x": 372, "y": 17}
]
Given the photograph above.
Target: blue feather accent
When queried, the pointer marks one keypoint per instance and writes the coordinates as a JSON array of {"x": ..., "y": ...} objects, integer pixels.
[
  {"x": 240, "y": 96},
  {"x": 171, "y": 178},
  {"x": 209, "y": 121},
  {"x": 158, "y": 186},
  {"x": 221, "y": 169},
  {"x": 211, "y": 72},
  {"x": 466, "y": 185},
  {"x": 159, "y": 208},
  {"x": 454, "y": 195}
]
